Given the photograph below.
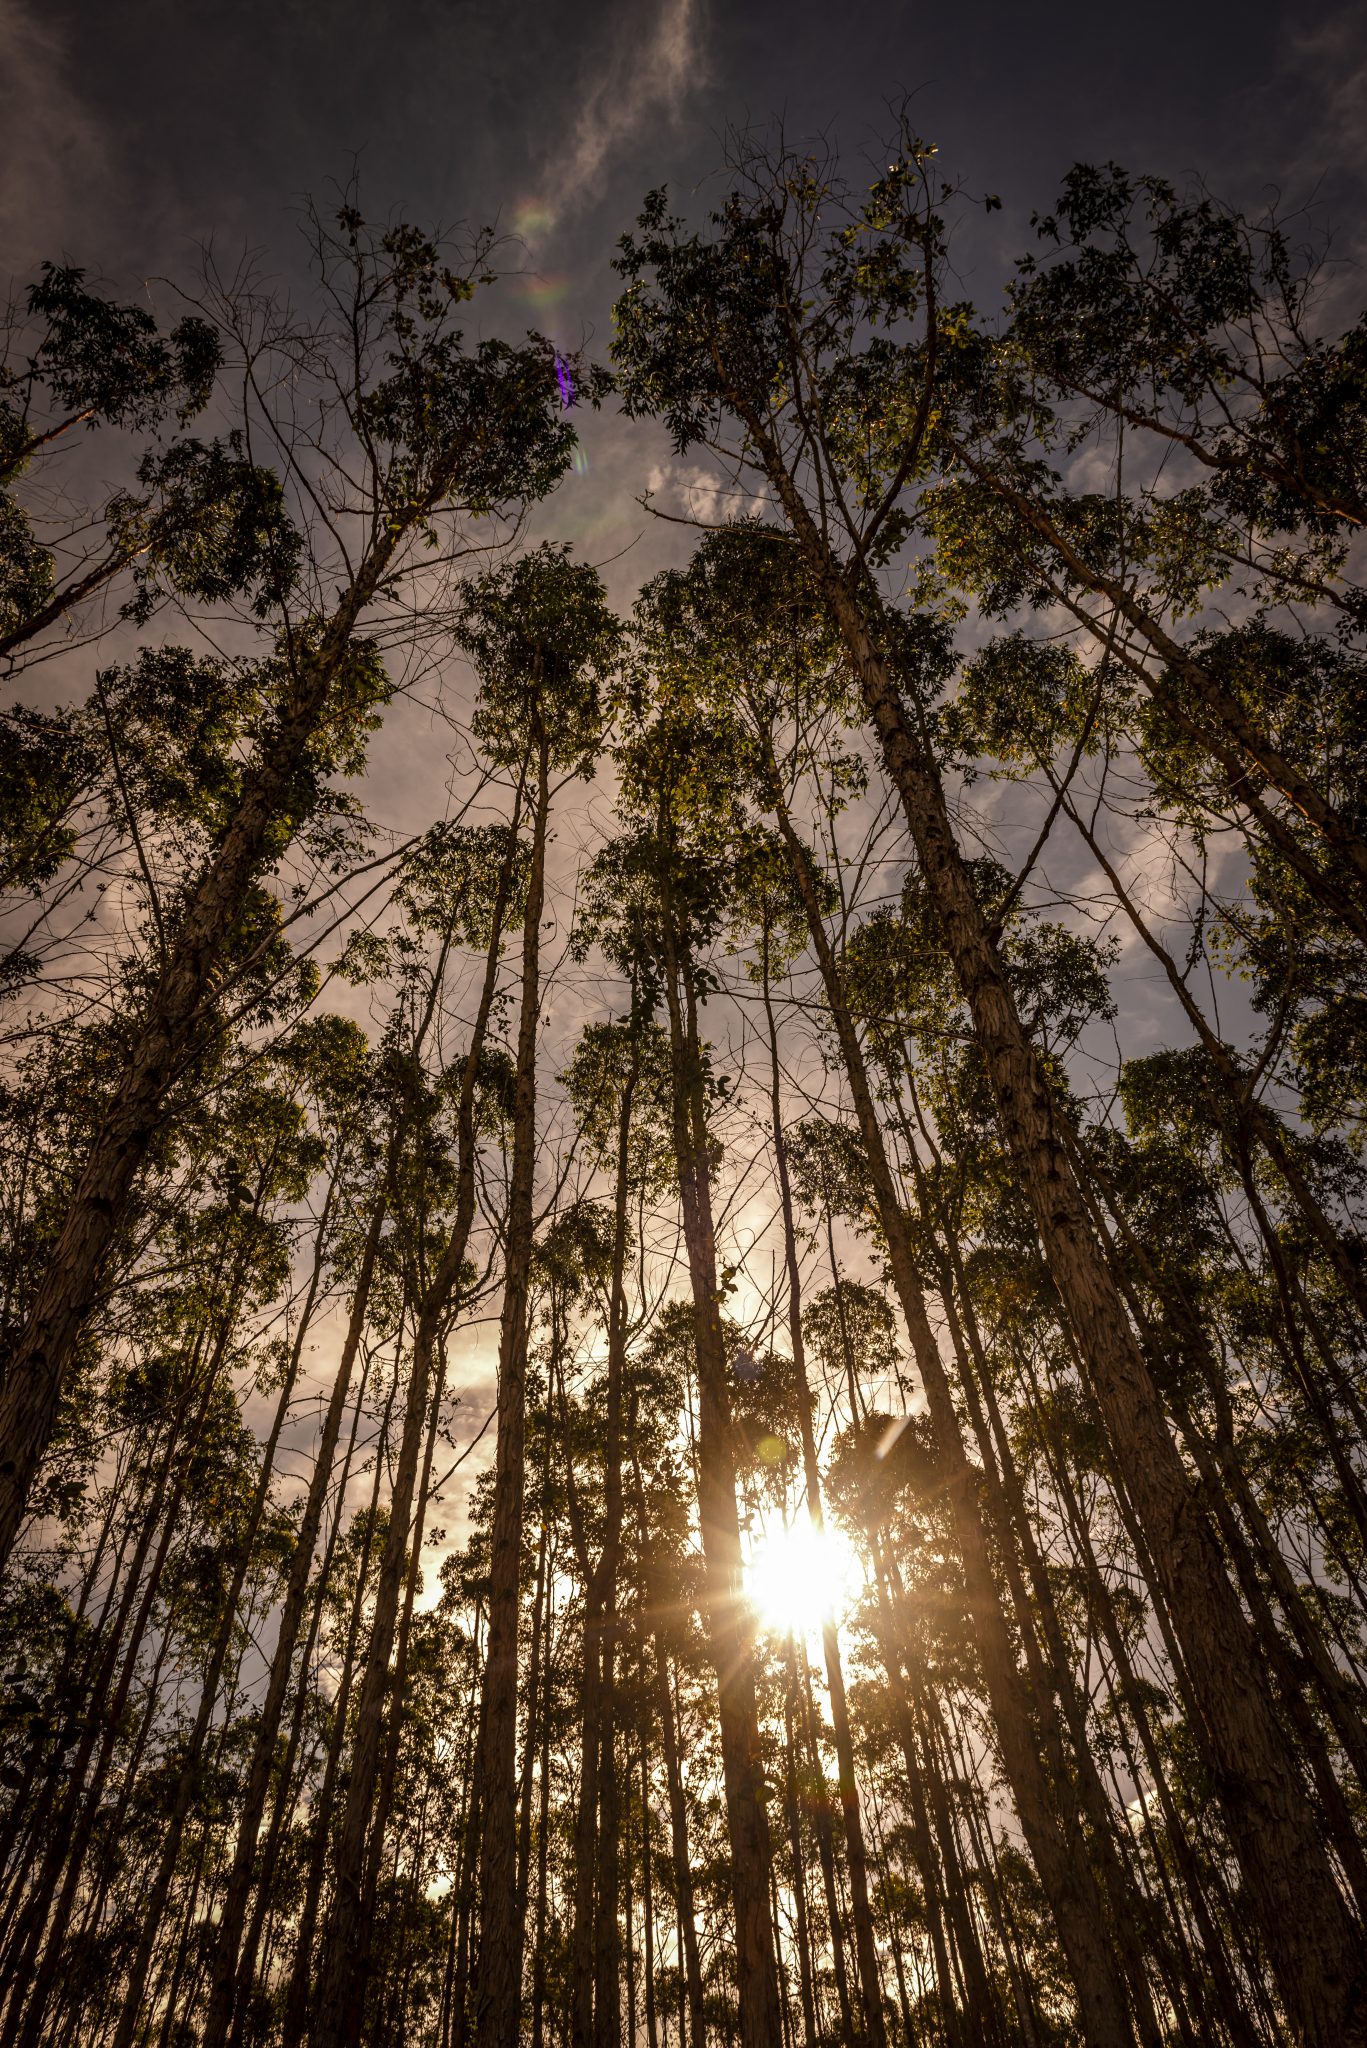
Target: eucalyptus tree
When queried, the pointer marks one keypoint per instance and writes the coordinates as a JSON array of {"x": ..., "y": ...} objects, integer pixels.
[
  {"x": 662, "y": 1371},
  {"x": 198, "y": 519},
  {"x": 771, "y": 907},
  {"x": 1026, "y": 706},
  {"x": 544, "y": 645},
  {"x": 737, "y": 629},
  {"x": 460, "y": 885},
  {"x": 1199, "y": 346},
  {"x": 453, "y": 887},
  {"x": 230, "y": 1258},
  {"x": 331, "y": 1047},
  {"x": 801, "y": 337},
  {"x": 440, "y": 433},
  {"x": 617, "y": 1084},
  {"x": 655, "y": 900}
]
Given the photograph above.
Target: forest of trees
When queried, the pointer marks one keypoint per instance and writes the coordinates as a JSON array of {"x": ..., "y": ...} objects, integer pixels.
[{"x": 721, "y": 1395}]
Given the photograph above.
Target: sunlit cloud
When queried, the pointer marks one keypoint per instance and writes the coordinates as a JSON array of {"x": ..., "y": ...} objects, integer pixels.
[{"x": 650, "y": 72}]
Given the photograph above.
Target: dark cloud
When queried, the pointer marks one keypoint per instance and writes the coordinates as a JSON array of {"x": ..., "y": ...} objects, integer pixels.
[{"x": 132, "y": 130}]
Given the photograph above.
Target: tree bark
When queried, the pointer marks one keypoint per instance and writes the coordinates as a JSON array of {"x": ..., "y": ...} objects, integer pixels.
[
  {"x": 163, "y": 1044},
  {"x": 498, "y": 1978},
  {"x": 1055, "y": 1845},
  {"x": 1314, "y": 1946},
  {"x": 728, "y": 1635},
  {"x": 338, "y": 2017},
  {"x": 218, "y": 2019}
]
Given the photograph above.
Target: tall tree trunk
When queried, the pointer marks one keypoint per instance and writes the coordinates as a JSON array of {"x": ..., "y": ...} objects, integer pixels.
[
  {"x": 792, "y": 1811},
  {"x": 945, "y": 1899},
  {"x": 658, "y": 1607},
  {"x": 607, "y": 1991},
  {"x": 498, "y": 1982},
  {"x": 163, "y": 1045},
  {"x": 1312, "y": 1940},
  {"x": 594, "y": 1944},
  {"x": 81, "y": 1811},
  {"x": 728, "y": 1632},
  {"x": 466, "y": 1882},
  {"x": 856, "y": 1856},
  {"x": 295, "y": 2024},
  {"x": 1051, "y": 1666},
  {"x": 536, "y": 1683},
  {"x": 606, "y": 1999},
  {"x": 153, "y": 1907},
  {"x": 825, "y": 1848},
  {"x": 218, "y": 2019},
  {"x": 282, "y": 1806},
  {"x": 337, "y": 2020},
  {"x": 1049, "y": 1823},
  {"x": 543, "y": 1843},
  {"x": 647, "y": 1891}
]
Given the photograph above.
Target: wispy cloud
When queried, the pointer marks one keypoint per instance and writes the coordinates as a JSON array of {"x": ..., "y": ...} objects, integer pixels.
[
  {"x": 52, "y": 156},
  {"x": 1332, "y": 56},
  {"x": 655, "y": 62}
]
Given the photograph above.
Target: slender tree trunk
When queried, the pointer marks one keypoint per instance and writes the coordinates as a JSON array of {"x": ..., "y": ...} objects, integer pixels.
[
  {"x": 466, "y": 1885},
  {"x": 295, "y": 2024},
  {"x": 583, "y": 1871},
  {"x": 163, "y": 1046},
  {"x": 825, "y": 1845},
  {"x": 1053, "y": 1679},
  {"x": 856, "y": 1856},
  {"x": 728, "y": 1632},
  {"x": 283, "y": 1804},
  {"x": 647, "y": 1896},
  {"x": 337, "y": 2020},
  {"x": 1315, "y": 1947},
  {"x": 937, "y": 1880},
  {"x": 498, "y": 1984},
  {"x": 543, "y": 1844},
  {"x": 384, "y": 1796},
  {"x": 1052, "y": 1834},
  {"x": 535, "y": 1686},
  {"x": 607, "y": 2003},
  {"x": 793, "y": 1815},
  {"x": 691, "y": 1969},
  {"x": 72, "y": 1836},
  {"x": 219, "y": 2016},
  {"x": 155, "y": 1904}
]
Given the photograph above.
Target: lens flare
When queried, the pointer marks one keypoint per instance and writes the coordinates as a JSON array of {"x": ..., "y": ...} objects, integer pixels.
[
  {"x": 532, "y": 217},
  {"x": 796, "y": 1579},
  {"x": 541, "y": 293}
]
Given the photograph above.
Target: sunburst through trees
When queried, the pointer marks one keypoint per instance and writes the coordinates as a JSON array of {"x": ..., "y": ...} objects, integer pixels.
[{"x": 716, "y": 1391}]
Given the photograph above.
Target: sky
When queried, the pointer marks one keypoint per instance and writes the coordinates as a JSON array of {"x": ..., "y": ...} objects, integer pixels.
[
  {"x": 133, "y": 132},
  {"x": 134, "y": 135}
]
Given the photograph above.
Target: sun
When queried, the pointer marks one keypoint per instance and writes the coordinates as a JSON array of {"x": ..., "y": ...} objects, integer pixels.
[{"x": 796, "y": 1579}]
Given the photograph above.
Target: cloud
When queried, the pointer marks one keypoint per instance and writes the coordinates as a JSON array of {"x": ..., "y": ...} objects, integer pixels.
[
  {"x": 52, "y": 157},
  {"x": 648, "y": 76},
  {"x": 1332, "y": 56},
  {"x": 697, "y": 492}
]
